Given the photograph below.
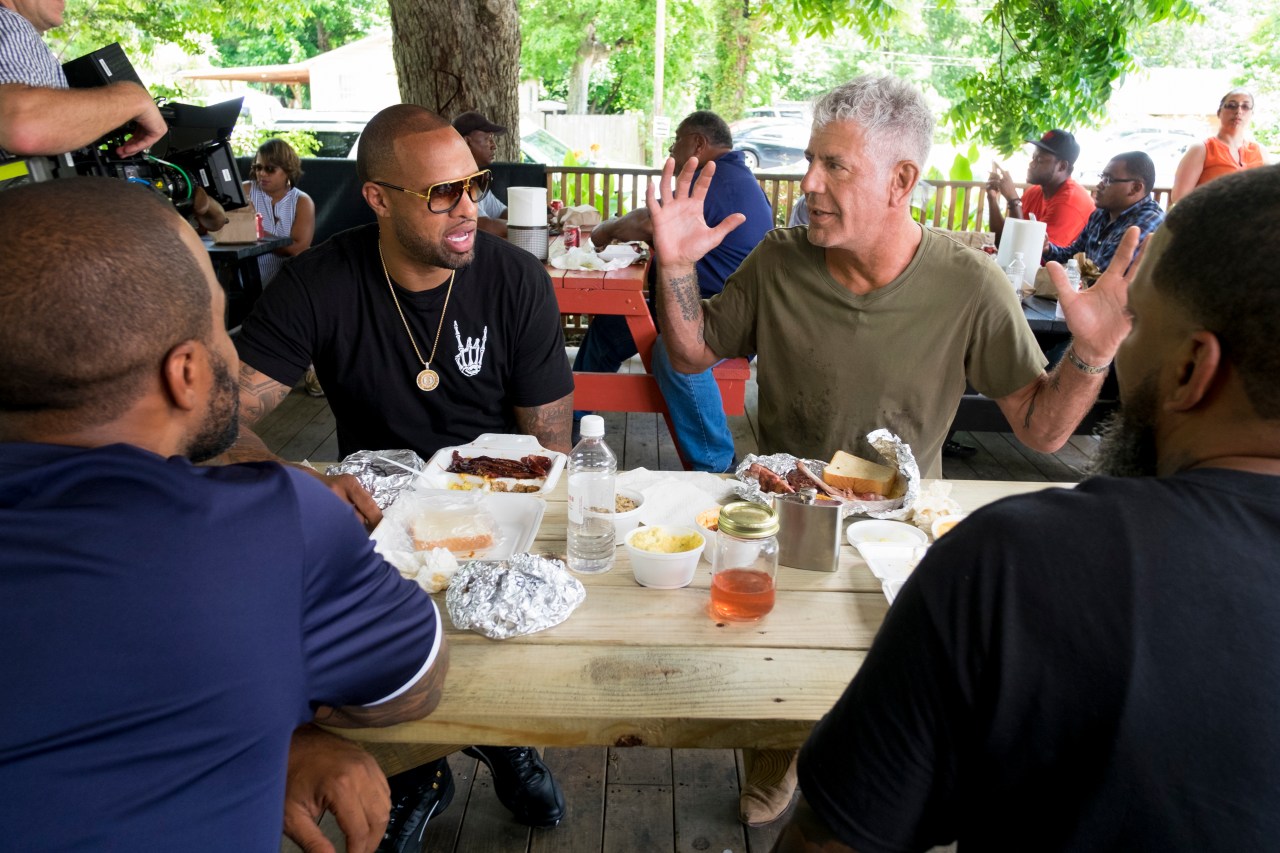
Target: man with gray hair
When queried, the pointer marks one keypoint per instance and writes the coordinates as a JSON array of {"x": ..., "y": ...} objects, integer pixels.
[{"x": 866, "y": 319}]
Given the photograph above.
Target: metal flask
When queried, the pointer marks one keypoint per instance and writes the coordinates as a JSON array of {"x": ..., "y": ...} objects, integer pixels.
[{"x": 808, "y": 531}]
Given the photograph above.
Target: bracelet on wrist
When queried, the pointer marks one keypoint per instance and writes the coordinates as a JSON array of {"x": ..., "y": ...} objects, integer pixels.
[{"x": 1081, "y": 366}]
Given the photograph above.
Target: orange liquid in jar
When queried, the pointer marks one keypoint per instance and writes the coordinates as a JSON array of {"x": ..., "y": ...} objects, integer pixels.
[{"x": 741, "y": 594}]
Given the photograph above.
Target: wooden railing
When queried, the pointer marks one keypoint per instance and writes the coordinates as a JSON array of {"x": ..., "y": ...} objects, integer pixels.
[{"x": 950, "y": 205}]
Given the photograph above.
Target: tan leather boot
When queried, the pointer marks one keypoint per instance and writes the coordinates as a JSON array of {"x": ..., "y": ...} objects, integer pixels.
[{"x": 770, "y": 785}]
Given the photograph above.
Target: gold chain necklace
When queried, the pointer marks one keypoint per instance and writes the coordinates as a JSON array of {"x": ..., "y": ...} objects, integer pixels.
[{"x": 427, "y": 379}]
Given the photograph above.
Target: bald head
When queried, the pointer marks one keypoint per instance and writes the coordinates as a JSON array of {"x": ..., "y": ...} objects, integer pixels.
[
  {"x": 96, "y": 286},
  {"x": 376, "y": 157}
]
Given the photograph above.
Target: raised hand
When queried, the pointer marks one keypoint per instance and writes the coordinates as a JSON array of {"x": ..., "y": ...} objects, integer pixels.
[
  {"x": 1097, "y": 317},
  {"x": 681, "y": 236}
]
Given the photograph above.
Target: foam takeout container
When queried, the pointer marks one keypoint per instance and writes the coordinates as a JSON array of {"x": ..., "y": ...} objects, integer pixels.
[{"x": 498, "y": 445}]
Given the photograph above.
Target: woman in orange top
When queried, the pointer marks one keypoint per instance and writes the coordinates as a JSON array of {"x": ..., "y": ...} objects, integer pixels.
[{"x": 1223, "y": 154}]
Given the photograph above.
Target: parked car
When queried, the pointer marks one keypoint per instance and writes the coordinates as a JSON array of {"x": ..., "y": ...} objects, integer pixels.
[
  {"x": 1165, "y": 147},
  {"x": 768, "y": 145},
  {"x": 800, "y": 110}
]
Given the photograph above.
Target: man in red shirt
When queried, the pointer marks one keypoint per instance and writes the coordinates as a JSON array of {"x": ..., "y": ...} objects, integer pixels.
[{"x": 1053, "y": 197}]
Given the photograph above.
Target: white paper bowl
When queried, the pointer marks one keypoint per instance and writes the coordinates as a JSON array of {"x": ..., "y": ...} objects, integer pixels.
[
  {"x": 625, "y": 522},
  {"x": 878, "y": 530},
  {"x": 663, "y": 571},
  {"x": 943, "y": 524}
]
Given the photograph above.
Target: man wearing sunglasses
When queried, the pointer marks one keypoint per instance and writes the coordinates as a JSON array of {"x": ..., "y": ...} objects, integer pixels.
[
  {"x": 1123, "y": 197},
  {"x": 425, "y": 333}
]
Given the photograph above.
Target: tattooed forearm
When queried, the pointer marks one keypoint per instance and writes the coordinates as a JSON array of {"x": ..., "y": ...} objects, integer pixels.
[
  {"x": 259, "y": 394},
  {"x": 551, "y": 424},
  {"x": 685, "y": 290}
]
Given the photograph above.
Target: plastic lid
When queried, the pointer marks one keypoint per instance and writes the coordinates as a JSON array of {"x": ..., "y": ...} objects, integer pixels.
[
  {"x": 747, "y": 520},
  {"x": 592, "y": 426}
]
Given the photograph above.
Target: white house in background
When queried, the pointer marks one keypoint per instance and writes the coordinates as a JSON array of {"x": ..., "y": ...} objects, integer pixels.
[{"x": 359, "y": 77}]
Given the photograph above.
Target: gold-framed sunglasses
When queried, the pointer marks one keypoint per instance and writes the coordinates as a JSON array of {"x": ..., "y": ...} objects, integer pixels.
[{"x": 444, "y": 197}]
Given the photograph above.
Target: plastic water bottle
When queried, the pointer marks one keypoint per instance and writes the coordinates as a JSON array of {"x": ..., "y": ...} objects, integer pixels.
[
  {"x": 593, "y": 473},
  {"x": 1073, "y": 274},
  {"x": 1017, "y": 271}
]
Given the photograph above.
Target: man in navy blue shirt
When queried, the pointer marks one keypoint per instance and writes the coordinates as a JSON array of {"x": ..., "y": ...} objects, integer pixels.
[
  {"x": 693, "y": 399},
  {"x": 1123, "y": 197},
  {"x": 168, "y": 627}
]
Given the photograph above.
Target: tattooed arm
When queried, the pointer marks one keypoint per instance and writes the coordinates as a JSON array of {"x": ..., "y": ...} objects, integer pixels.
[
  {"x": 259, "y": 395},
  {"x": 681, "y": 237},
  {"x": 551, "y": 424}
]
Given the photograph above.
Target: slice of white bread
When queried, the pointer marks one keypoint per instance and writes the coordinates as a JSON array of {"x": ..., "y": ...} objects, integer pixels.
[
  {"x": 847, "y": 471},
  {"x": 454, "y": 532}
]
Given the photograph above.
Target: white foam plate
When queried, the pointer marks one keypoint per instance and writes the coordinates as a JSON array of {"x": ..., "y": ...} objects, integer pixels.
[
  {"x": 499, "y": 445},
  {"x": 880, "y": 530}
]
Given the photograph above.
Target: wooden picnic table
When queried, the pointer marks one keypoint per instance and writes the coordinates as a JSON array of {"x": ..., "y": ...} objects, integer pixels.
[
  {"x": 634, "y": 666},
  {"x": 622, "y": 292},
  {"x": 236, "y": 265}
]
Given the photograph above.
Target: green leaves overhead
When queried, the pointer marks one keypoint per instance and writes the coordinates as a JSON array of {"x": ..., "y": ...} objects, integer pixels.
[{"x": 1055, "y": 67}]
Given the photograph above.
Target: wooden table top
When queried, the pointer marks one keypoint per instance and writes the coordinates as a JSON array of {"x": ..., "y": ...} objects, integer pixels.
[{"x": 634, "y": 666}]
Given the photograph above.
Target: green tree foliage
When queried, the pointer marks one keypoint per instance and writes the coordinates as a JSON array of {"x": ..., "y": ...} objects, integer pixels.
[
  {"x": 191, "y": 24},
  {"x": 1055, "y": 66},
  {"x": 618, "y": 35},
  {"x": 327, "y": 24}
]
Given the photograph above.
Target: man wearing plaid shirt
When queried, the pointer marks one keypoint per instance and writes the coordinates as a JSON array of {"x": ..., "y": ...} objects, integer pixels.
[{"x": 1123, "y": 197}]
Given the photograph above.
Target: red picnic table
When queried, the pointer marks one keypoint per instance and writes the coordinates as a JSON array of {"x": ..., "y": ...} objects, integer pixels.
[{"x": 622, "y": 292}]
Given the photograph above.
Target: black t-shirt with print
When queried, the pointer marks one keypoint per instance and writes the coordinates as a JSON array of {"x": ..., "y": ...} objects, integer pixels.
[{"x": 501, "y": 345}]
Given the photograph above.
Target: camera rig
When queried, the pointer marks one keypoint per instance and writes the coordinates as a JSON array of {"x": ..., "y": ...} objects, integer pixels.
[{"x": 196, "y": 152}]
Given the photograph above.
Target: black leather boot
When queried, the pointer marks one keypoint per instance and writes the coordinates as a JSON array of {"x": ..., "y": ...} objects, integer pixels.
[
  {"x": 417, "y": 796},
  {"x": 523, "y": 783}
]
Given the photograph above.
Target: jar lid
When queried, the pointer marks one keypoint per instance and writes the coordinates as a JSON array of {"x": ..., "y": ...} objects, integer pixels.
[{"x": 747, "y": 520}]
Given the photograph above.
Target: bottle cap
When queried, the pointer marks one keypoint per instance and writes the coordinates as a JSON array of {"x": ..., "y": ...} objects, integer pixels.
[
  {"x": 592, "y": 426},
  {"x": 747, "y": 520}
]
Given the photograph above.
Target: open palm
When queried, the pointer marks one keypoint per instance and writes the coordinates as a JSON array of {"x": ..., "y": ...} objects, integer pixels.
[
  {"x": 681, "y": 236},
  {"x": 1098, "y": 317}
]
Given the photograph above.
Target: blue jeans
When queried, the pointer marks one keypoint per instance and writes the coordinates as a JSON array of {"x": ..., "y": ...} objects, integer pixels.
[{"x": 702, "y": 430}]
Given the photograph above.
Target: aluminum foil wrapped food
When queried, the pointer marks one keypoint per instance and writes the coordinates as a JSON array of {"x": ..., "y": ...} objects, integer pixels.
[
  {"x": 756, "y": 474},
  {"x": 508, "y": 598},
  {"x": 383, "y": 473}
]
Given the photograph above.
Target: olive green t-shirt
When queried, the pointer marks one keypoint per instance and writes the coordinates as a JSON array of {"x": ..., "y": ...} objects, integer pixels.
[{"x": 833, "y": 366}]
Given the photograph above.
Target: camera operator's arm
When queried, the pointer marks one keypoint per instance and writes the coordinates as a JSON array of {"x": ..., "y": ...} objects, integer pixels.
[
  {"x": 208, "y": 214},
  {"x": 36, "y": 120}
]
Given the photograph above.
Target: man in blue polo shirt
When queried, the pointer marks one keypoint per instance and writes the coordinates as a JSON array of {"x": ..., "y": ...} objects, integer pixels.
[
  {"x": 167, "y": 627},
  {"x": 692, "y": 398}
]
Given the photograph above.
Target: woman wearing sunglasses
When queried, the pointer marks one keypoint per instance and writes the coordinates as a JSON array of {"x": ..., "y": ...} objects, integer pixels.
[
  {"x": 1229, "y": 151},
  {"x": 286, "y": 210}
]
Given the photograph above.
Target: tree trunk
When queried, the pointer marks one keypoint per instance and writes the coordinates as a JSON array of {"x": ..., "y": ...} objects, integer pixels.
[
  {"x": 461, "y": 55},
  {"x": 590, "y": 50},
  {"x": 736, "y": 29}
]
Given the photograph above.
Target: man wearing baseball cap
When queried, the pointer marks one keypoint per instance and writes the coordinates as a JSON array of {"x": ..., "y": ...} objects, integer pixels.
[
  {"x": 479, "y": 134},
  {"x": 1053, "y": 197}
]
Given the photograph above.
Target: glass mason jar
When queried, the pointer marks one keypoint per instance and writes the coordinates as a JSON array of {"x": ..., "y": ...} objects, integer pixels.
[{"x": 745, "y": 563}]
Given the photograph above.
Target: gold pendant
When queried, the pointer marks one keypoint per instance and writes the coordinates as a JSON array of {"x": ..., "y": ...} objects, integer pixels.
[{"x": 428, "y": 380}]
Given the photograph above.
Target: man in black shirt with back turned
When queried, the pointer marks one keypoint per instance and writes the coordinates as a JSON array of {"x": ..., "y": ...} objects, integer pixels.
[
  {"x": 424, "y": 333},
  {"x": 1096, "y": 669}
]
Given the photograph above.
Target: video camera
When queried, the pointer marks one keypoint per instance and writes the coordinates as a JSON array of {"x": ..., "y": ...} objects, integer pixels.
[{"x": 195, "y": 153}]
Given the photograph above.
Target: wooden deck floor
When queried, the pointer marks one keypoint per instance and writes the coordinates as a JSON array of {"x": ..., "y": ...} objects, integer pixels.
[{"x": 639, "y": 800}]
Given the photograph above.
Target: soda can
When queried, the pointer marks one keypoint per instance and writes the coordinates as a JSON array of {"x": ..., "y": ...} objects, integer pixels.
[
  {"x": 556, "y": 205},
  {"x": 572, "y": 236},
  {"x": 257, "y": 221}
]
